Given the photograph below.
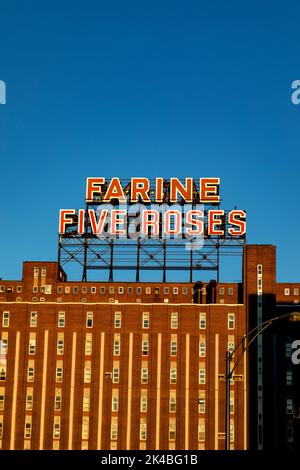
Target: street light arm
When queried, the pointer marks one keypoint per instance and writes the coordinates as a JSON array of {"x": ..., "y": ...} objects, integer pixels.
[{"x": 269, "y": 323}]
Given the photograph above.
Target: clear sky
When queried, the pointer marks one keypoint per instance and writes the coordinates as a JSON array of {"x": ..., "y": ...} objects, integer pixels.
[{"x": 148, "y": 88}]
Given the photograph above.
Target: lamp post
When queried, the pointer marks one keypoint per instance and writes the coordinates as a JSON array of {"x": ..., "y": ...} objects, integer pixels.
[{"x": 244, "y": 345}]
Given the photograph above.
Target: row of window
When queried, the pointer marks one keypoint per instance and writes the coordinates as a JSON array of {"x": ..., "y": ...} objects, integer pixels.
[
  {"x": 121, "y": 290},
  {"x": 115, "y": 400},
  {"x": 172, "y": 401},
  {"x": 288, "y": 291},
  {"x": 89, "y": 321},
  {"x": 114, "y": 428}
]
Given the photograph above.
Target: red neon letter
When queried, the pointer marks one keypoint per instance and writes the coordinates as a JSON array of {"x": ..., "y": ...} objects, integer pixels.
[
  {"x": 185, "y": 192},
  {"x": 114, "y": 191},
  {"x": 64, "y": 219},
  {"x": 196, "y": 224},
  {"x": 177, "y": 222},
  {"x": 97, "y": 227},
  {"x": 238, "y": 219},
  {"x": 153, "y": 222},
  {"x": 93, "y": 185},
  {"x": 115, "y": 221},
  {"x": 140, "y": 187},
  {"x": 209, "y": 190},
  {"x": 214, "y": 221}
]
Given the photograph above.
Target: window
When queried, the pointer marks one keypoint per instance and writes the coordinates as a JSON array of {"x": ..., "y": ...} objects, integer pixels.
[
  {"x": 231, "y": 402},
  {"x": 75, "y": 290},
  {"x": 33, "y": 319},
  {"x": 145, "y": 345},
  {"x": 230, "y": 346},
  {"x": 4, "y": 344},
  {"x": 296, "y": 291},
  {"x": 148, "y": 290},
  {"x": 201, "y": 403},
  {"x": 5, "y": 319},
  {"x": 44, "y": 271},
  {"x": 230, "y": 290},
  {"x": 35, "y": 289},
  {"x": 166, "y": 290},
  {"x": 174, "y": 320},
  {"x": 156, "y": 290},
  {"x": 102, "y": 290},
  {"x": 86, "y": 399},
  {"x": 120, "y": 290},
  {"x": 59, "y": 290},
  {"x": 202, "y": 375},
  {"x": 173, "y": 346},
  {"x": 19, "y": 289},
  {"x": 117, "y": 346},
  {"x": 139, "y": 290},
  {"x": 61, "y": 320},
  {"x": 175, "y": 290},
  {"x": 143, "y": 430},
  {"x": 87, "y": 372},
  {"x": 1, "y": 427},
  {"x": 222, "y": 291},
  {"x": 56, "y": 427},
  {"x": 144, "y": 400},
  {"x": 60, "y": 344},
  {"x": 114, "y": 429},
  {"x": 3, "y": 372},
  {"x": 286, "y": 291},
  {"x": 84, "y": 290},
  {"x": 30, "y": 371},
  {"x": 231, "y": 431},
  {"x": 117, "y": 320},
  {"x": 259, "y": 269},
  {"x": 55, "y": 445},
  {"x": 2, "y": 398},
  {"x": 85, "y": 427},
  {"x": 231, "y": 321},
  {"x": 115, "y": 400},
  {"x": 57, "y": 399},
  {"x": 111, "y": 290},
  {"x": 146, "y": 320},
  {"x": 116, "y": 372},
  {"x": 129, "y": 290},
  {"x": 27, "y": 427},
  {"x": 201, "y": 430},
  {"x": 288, "y": 350},
  {"x": 289, "y": 406},
  {"x": 289, "y": 377},
  {"x": 172, "y": 429},
  {"x": 144, "y": 372},
  {"x": 93, "y": 290},
  {"x": 88, "y": 344},
  {"x": 202, "y": 320},
  {"x": 2, "y": 289},
  {"x": 173, "y": 373},
  {"x": 202, "y": 347},
  {"x": 67, "y": 290},
  {"x": 172, "y": 401},
  {"x": 59, "y": 371},
  {"x": 32, "y": 343},
  {"x": 89, "y": 320},
  {"x": 184, "y": 291}
]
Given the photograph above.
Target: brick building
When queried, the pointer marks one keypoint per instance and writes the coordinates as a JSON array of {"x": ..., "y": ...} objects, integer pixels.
[{"x": 99, "y": 365}]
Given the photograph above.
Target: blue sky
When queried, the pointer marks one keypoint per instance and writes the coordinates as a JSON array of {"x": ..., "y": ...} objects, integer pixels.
[{"x": 151, "y": 88}]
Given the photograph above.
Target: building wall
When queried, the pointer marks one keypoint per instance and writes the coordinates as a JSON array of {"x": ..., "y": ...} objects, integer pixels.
[{"x": 91, "y": 371}]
